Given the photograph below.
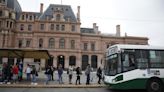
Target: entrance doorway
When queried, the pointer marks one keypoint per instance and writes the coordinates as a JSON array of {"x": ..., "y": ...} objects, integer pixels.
[
  {"x": 84, "y": 61},
  {"x": 94, "y": 61},
  {"x": 61, "y": 60}
]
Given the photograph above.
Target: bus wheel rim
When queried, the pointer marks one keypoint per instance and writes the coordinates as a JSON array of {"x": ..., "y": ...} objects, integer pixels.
[{"x": 155, "y": 86}]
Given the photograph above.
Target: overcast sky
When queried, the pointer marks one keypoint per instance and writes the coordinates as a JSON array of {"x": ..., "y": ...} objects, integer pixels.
[{"x": 136, "y": 17}]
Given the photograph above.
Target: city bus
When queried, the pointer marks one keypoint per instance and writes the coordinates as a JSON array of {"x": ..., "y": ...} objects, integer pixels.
[{"x": 134, "y": 67}]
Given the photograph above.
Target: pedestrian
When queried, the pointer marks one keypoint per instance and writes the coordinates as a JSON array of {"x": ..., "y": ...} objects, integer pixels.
[
  {"x": 9, "y": 74},
  {"x": 34, "y": 74},
  {"x": 60, "y": 73},
  {"x": 20, "y": 72},
  {"x": 87, "y": 73},
  {"x": 99, "y": 75},
  {"x": 4, "y": 73},
  {"x": 78, "y": 73},
  {"x": 28, "y": 72},
  {"x": 15, "y": 73},
  {"x": 70, "y": 74},
  {"x": 52, "y": 73},
  {"x": 48, "y": 74}
]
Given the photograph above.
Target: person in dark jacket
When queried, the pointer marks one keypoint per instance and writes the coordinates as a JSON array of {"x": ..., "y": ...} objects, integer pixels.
[
  {"x": 99, "y": 75},
  {"x": 52, "y": 72},
  {"x": 78, "y": 73},
  {"x": 60, "y": 73},
  {"x": 48, "y": 74},
  {"x": 34, "y": 74}
]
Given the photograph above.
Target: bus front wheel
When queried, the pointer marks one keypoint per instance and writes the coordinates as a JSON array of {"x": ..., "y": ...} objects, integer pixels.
[{"x": 154, "y": 85}]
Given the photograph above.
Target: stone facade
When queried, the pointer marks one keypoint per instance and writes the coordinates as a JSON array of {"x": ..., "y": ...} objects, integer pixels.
[{"x": 58, "y": 31}]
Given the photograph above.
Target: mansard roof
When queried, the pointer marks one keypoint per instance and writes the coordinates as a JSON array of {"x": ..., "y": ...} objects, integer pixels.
[
  {"x": 14, "y": 4},
  {"x": 87, "y": 30},
  {"x": 66, "y": 9}
]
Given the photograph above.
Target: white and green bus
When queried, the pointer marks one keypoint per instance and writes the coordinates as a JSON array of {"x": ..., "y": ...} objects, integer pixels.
[{"x": 135, "y": 67}]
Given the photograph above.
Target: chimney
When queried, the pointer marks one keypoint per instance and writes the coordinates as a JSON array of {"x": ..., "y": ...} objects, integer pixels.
[
  {"x": 78, "y": 13},
  {"x": 118, "y": 31},
  {"x": 41, "y": 8},
  {"x": 94, "y": 26}
]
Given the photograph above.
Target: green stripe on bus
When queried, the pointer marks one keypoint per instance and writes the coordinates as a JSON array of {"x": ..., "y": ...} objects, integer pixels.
[{"x": 131, "y": 84}]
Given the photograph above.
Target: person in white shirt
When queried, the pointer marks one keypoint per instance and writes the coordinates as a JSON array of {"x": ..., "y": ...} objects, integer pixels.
[
  {"x": 28, "y": 72},
  {"x": 70, "y": 73}
]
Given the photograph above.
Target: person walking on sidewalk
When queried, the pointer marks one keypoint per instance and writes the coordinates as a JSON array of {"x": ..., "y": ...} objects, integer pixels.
[
  {"x": 52, "y": 73},
  {"x": 60, "y": 73},
  {"x": 78, "y": 73},
  {"x": 28, "y": 72},
  {"x": 34, "y": 74},
  {"x": 87, "y": 73},
  {"x": 99, "y": 75},
  {"x": 15, "y": 73},
  {"x": 70, "y": 74},
  {"x": 48, "y": 74}
]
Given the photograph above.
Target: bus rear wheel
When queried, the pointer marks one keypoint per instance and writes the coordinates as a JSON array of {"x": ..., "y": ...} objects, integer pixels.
[{"x": 154, "y": 85}]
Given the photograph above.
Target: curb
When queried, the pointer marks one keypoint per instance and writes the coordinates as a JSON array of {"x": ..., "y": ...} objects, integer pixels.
[{"x": 52, "y": 86}]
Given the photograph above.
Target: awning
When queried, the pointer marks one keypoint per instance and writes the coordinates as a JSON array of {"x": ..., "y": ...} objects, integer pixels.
[{"x": 24, "y": 53}]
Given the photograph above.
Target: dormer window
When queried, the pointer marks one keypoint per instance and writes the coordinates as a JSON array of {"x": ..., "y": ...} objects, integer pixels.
[
  {"x": 31, "y": 17},
  {"x": 22, "y": 17},
  {"x": 58, "y": 17}
]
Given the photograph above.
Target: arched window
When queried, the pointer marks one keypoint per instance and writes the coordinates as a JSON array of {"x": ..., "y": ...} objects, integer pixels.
[
  {"x": 51, "y": 43},
  {"x": 62, "y": 43},
  {"x": 58, "y": 17},
  {"x": 40, "y": 43}
]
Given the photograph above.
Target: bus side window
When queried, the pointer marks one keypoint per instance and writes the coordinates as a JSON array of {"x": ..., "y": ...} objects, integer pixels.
[
  {"x": 128, "y": 62},
  {"x": 125, "y": 62}
]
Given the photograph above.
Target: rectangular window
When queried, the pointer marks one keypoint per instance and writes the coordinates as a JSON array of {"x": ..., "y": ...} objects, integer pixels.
[
  {"x": 28, "y": 43},
  {"x": 20, "y": 43},
  {"x": 72, "y": 44},
  {"x": 1, "y": 13},
  {"x": 73, "y": 27},
  {"x": 11, "y": 24},
  {"x": 141, "y": 58},
  {"x": 29, "y": 27},
  {"x": 85, "y": 46},
  {"x": 156, "y": 59},
  {"x": 63, "y": 27},
  {"x": 42, "y": 27},
  {"x": 22, "y": 17},
  {"x": 22, "y": 27},
  {"x": 57, "y": 27},
  {"x": 93, "y": 46},
  {"x": 52, "y": 26},
  {"x": 31, "y": 17},
  {"x": 26, "y": 16}
]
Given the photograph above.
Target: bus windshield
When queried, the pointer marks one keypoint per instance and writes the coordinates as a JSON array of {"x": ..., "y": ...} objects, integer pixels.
[{"x": 111, "y": 64}]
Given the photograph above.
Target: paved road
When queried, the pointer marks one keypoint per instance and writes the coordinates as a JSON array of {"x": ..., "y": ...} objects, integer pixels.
[{"x": 63, "y": 90}]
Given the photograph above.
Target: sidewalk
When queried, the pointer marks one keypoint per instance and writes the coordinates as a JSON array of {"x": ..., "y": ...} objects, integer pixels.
[{"x": 55, "y": 83}]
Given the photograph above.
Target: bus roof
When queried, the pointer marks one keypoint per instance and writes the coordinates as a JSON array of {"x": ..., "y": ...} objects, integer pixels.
[{"x": 129, "y": 46}]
